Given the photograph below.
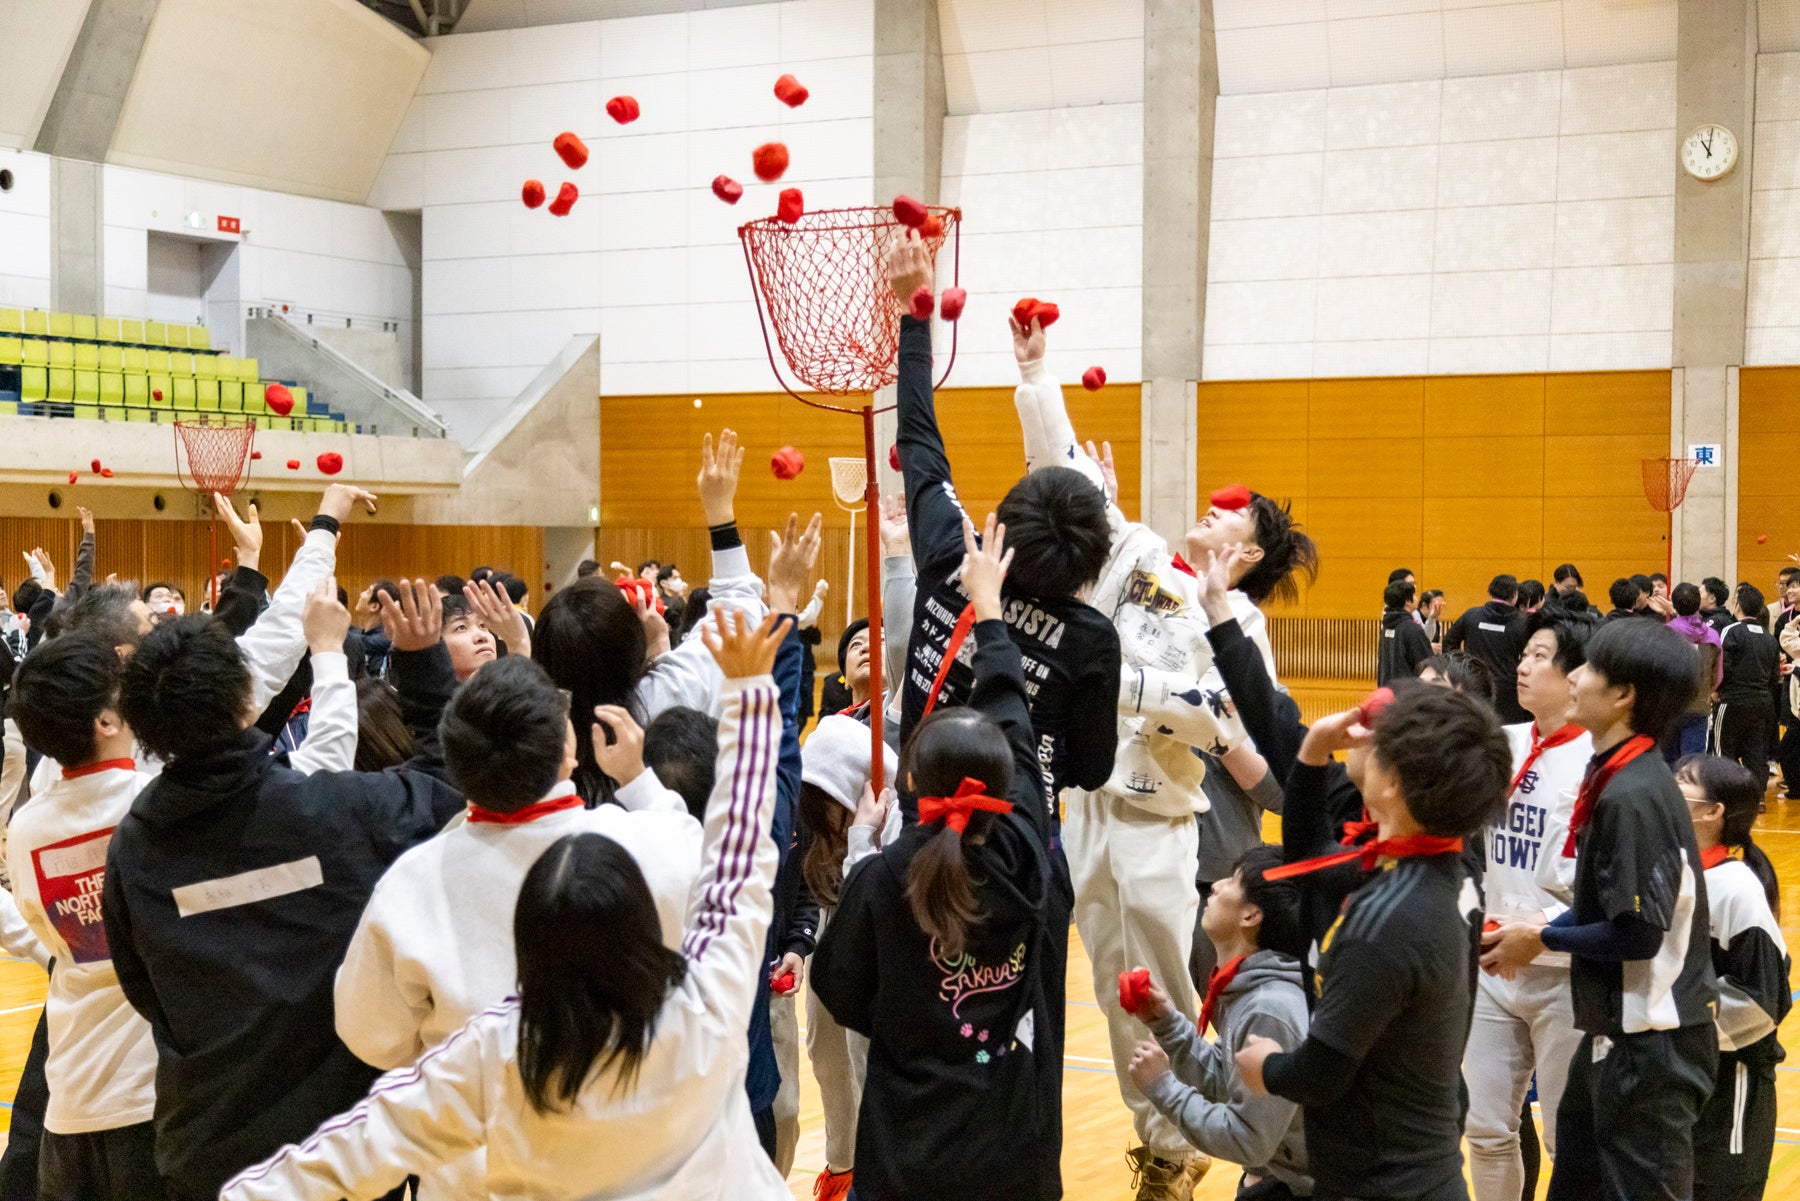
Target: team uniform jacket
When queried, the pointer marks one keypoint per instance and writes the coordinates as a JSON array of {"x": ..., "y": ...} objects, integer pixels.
[
  {"x": 1403, "y": 647},
  {"x": 682, "y": 1130},
  {"x": 1525, "y": 870},
  {"x": 1495, "y": 634}
]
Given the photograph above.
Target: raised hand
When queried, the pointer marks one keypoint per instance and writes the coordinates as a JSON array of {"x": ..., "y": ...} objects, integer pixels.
[
  {"x": 896, "y": 534},
  {"x": 984, "y": 567},
  {"x": 246, "y": 534},
  {"x": 719, "y": 469},
  {"x": 742, "y": 650},
  {"x": 87, "y": 519},
  {"x": 416, "y": 621},
  {"x": 1339, "y": 732},
  {"x": 791, "y": 561},
  {"x": 494, "y": 609},
  {"x": 1215, "y": 582},
  {"x": 1028, "y": 344},
  {"x": 340, "y": 499},
  {"x": 656, "y": 627},
  {"x": 622, "y": 757},
  {"x": 325, "y": 621},
  {"x": 1103, "y": 458},
  {"x": 908, "y": 266}
]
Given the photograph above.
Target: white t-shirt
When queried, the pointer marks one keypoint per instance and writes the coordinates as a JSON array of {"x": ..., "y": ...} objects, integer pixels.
[
  {"x": 1527, "y": 842},
  {"x": 102, "y": 1064}
]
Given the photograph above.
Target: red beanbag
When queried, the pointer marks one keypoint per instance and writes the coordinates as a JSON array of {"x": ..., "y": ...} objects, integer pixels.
[
  {"x": 566, "y": 196},
  {"x": 791, "y": 206},
  {"x": 1761, "y": 538},
  {"x": 73, "y": 476},
  {"x": 1489, "y": 926},
  {"x": 1045, "y": 312},
  {"x": 923, "y": 302},
  {"x": 932, "y": 227},
  {"x": 1232, "y": 499},
  {"x": 782, "y": 985},
  {"x": 293, "y": 464},
  {"x": 255, "y": 454},
  {"x": 894, "y": 456},
  {"x": 1374, "y": 703},
  {"x": 791, "y": 91},
  {"x": 157, "y": 393},
  {"x": 106, "y": 473},
  {"x": 279, "y": 399},
  {"x": 1094, "y": 378},
  {"x": 1134, "y": 989},
  {"x": 640, "y": 592},
  {"x": 532, "y": 193},
  {"x": 623, "y": 109},
  {"x": 331, "y": 462},
  {"x": 951, "y": 303},
  {"x": 787, "y": 463},
  {"x": 727, "y": 189},
  {"x": 770, "y": 160},
  {"x": 909, "y": 212}
]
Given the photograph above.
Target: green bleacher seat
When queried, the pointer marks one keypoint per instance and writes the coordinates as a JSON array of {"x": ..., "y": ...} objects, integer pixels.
[
  {"x": 142, "y": 415},
  {"x": 10, "y": 351},
  {"x": 9, "y": 408},
  {"x": 137, "y": 391},
  {"x": 62, "y": 384},
  {"x": 200, "y": 338},
  {"x": 112, "y": 389},
  {"x": 131, "y": 331},
  {"x": 34, "y": 353},
  {"x": 86, "y": 412},
  {"x": 34, "y": 383},
  {"x": 87, "y": 356},
  {"x": 62, "y": 325},
  {"x": 134, "y": 358},
  {"x": 87, "y": 387},
  {"x": 175, "y": 335},
  {"x": 159, "y": 362},
  {"x": 37, "y": 323},
  {"x": 231, "y": 396},
  {"x": 247, "y": 371},
  {"x": 12, "y": 321},
  {"x": 62, "y": 354},
  {"x": 181, "y": 363},
  {"x": 107, "y": 329},
  {"x": 85, "y": 327},
  {"x": 206, "y": 395},
  {"x": 156, "y": 333},
  {"x": 205, "y": 367},
  {"x": 184, "y": 391},
  {"x": 112, "y": 358},
  {"x": 161, "y": 383}
]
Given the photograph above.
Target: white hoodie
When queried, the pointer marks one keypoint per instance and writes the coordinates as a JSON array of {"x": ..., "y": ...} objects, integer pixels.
[{"x": 682, "y": 1130}]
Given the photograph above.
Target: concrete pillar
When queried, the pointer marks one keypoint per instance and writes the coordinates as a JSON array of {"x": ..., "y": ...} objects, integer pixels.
[
  {"x": 1715, "y": 83},
  {"x": 1181, "y": 89},
  {"x": 76, "y": 260}
]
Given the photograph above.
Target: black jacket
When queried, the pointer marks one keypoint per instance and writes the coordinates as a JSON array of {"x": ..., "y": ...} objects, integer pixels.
[
  {"x": 1752, "y": 666},
  {"x": 1403, "y": 646},
  {"x": 1495, "y": 634},
  {"x": 232, "y": 889}
]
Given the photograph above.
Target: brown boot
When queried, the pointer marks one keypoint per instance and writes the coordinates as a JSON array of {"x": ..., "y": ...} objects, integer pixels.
[{"x": 1159, "y": 1179}]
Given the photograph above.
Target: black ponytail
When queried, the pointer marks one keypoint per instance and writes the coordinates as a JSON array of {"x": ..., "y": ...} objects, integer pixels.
[
  {"x": 948, "y": 747},
  {"x": 1732, "y": 786}
]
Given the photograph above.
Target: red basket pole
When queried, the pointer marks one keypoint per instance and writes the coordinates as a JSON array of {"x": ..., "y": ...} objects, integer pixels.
[{"x": 872, "y": 555}]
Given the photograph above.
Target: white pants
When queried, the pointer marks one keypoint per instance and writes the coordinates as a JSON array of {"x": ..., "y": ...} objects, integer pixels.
[
  {"x": 784, "y": 1030},
  {"x": 1520, "y": 1025},
  {"x": 1135, "y": 902},
  {"x": 840, "y": 1061}
]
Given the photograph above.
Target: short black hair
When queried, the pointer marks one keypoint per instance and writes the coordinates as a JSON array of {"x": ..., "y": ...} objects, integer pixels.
[
  {"x": 479, "y": 574},
  {"x": 1431, "y": 594},
  {"x": 682, "y": 747},
  {"x": 186, "y": 688},
  {"x": 504, "y": 733},
  {"x": 1283, "y": 928},
  {"x": 455, "y": 605},
  {"x": 1751, "y": 603},
  {"x": 1787, "y": 573},
  {"x": 1531, "y": 592},
  {"x": 1395, "y": 576},
  {"x": 1503, "y": 587},
  {"x": 665, "y": 571},
  {"x": 648, "y": 563},
  {"x": 1463, "y": 672},
  {"x": 1571, "y": 634},
  {"x": 59, "y": 691},
  {"x": 1623, "y": 592},
  {"x": 105, "y": 610},
  {"x": 1057, "y": 529},
  {"x": 515, "y": 588},
  {"x": 1287, "y": 550},
  {"x": 1717, "y": 589},
  {"x": 385, "y": 587},
  {"x": 1578, "y": 601},
  {"x": 1396, "y": 594},
  {"x": 1568, "y": 571},
  {"x": 1657, "y": 575},
  {"x": 26, "y": 594},
  {"x": 850, "y": 631},
  {"x": 1642, "y": 583},
  {"x": 1686, "y": 599},
  {"x": 1450, "y": 756},
  {"x": 450, "y": 585},
  {"x": 1659, "y": 665},
  {"x": 586, "y": 568},
  {"x": 153, "y": 586}
]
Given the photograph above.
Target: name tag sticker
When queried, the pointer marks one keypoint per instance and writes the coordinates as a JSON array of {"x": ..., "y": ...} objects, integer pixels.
[{"x": 247, "y": 888}]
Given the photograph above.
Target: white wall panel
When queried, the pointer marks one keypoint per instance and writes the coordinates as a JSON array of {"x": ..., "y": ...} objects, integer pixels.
[{"x": 1773, "y": 306}]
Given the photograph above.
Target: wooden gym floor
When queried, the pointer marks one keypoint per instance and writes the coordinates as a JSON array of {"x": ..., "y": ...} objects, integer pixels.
[{"x": 1097, "y": 1129}]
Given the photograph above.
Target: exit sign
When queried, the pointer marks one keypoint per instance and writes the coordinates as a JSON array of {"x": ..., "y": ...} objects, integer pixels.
[{"x": 228, "y": 225}]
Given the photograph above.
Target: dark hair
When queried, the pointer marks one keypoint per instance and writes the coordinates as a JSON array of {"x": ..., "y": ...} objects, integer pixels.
[
  {"x": 149, "y": 588},
  {"x": 586, "y": 568},
  {"x": 946, "y": 748},
  {"x": 1642, "y": 583},
  {"x": 185, "y": 688},
  {"x": 827, "y": 824},
  {"x": 1282, "y": 929},
  {"x": 479, "y": 574},
  {"x": 692, "y": 611},
  {"x": 1449, "y": 755},
  {"x": 1751, "y": 604},
  {"x": 1503, "y": 587},
  {"x": 1786, "y": 574},
  {"x": 1396, "y": 594},
  {"x": 682, "y": 747},
  {"x": 850, "y": 631},
  {"x": 1657, "y": 575},
  {"x": 1659, "y": 665},
  {"x": 1716, "y": 588},
  {"x": 1431, "y": 594},
  {"x": 591, "y": 642},
  {"x": 1531, "y": 592},
  {"x": 665, "y": 571},
  {"x": 26, "y": 594},
  {"x": 515, "y": 588},
  {"x": 1577, "y": 601},
  {"x": 1732, "y": 785},
  {"x": 382, "y": 737},
  {"x": 105, "y": 610},
  {"x": 593, "y": 971},
  {"x": 503, "y": 734},
  {"x": 1286, "y": 550},
  {"x": 1686, "y": 599},
  {"x": 1056, "y": 528},
  {"x": 1571, "y": 636},
  {"x": 1463, "y": 672},
  {"x": 455, "y": 605},
  {"x": 1568, "y": 571},
  {"x": 385, "y": 587},
  {"x": 59, "y": 691},
  {"x": 1398, "y": 574},
  {"x": 648, "y": 563},
  {"x": 1623, "y": 593},
  {"x": 450, "y": 585}
]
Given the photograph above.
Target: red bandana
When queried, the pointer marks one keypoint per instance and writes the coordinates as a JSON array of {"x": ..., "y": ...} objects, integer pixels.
[
  {"x": 530, "y": 813},
  {"x": 1216, "y": 985},
  {"x": 75, "y": 773},
  {"x": 1180, "y": 564},
  {"x": 1711, "y": 857},
  {"x": 1595, "y": 782},
  {"x": 965, "y": 622},
  {"x": 1354, "y": 831},
  {"x": 1371, "y": 853},
  {"x": 957, "y": 810},
  {"x": 1567, "y": 734}
]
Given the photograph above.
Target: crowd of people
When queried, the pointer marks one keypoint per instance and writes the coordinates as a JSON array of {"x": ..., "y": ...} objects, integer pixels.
[{"x": 419, "y": 896}]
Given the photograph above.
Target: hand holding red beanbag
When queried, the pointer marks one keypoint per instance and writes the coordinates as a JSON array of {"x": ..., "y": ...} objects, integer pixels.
[
  {"x": 1134, "y": 989},
  {"x": 639, "y": 591},
  {"x": 1045, "y": 312}
]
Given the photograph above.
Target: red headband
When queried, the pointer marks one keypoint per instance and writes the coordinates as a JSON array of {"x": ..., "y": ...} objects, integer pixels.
[{"x": 957, "y": 810}]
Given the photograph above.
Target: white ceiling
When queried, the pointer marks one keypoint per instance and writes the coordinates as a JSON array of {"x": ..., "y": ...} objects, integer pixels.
[
  {"x": 296, "y": 97},
  {"x": 1285, "y": 45},
  {"x": 37, "y": 36},
  {"x": 1019, "y": 55}
]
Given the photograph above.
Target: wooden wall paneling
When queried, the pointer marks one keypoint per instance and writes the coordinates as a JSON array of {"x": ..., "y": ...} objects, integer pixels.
[
  {"x": 1232, "y": 410},
  {"x": 1511, "y": 532},
  {"x": 1366, "y": 408},
  {"x": 1607, "y": 402},
  {"x": 1768, "y": 492},
  {"x": 1492, "y": 467},
  {"x": 1356, "y": 467},
  {"x": 1484, "y": 406},
  {"x": 1600, "y": 464},
  {"x": 1273, "y": 466}
]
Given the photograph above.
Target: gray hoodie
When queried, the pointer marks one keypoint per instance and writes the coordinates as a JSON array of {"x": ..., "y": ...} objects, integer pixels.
[{"x": 1202, "y": 1093}]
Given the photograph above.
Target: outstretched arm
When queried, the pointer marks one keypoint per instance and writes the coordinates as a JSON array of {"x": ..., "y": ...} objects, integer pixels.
[
  {"x": 932, "y": 509},
  {"x": 1044, "y": 414}
]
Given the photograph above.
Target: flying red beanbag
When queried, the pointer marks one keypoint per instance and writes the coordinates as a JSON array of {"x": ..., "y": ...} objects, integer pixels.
[
  {"x": 1232, "y": 499},
  {"x": 923, "y": 302},
  {"x": 791, "y": 206},
  {"x": 894, "y": 457},
  {"x": 1761, "y": 538},
  {"x": 532, "y": 193},
  {"x": 106, "y": 473},
  {"x": 256, "y": 454},
  {"x": 566, "y": 196},
  {"x": 279, "y": 399},
  {"x": 727, "y": 189},
  {"x": 791, "y": 91},
  {"x": 787, "y": 463},
  {"x": 1374, "y": 703},
  {"x": 623, "y": 109},
  {"x": 933, "y": 226},
  {"x": 331, "y": 462},
  {"x": 1134, "y": 989},
  {"x": 157, "y": 393},
  {"x": 73, "y": 476},
  {"x": 909, "y": 212},
  {"x": 94, "y": 466},
  {"x": 770, "y": 160},
  {"x": 293, "y": 464},
  {"x": 782, "y": 985},
  {"x": 1094, "y": 378},
  {"x": 951, "y": 303}
]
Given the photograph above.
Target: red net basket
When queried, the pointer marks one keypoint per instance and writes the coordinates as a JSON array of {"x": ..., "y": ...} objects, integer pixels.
[
  {"x": 212, "y": 454},
  {"x": 822, "y": 283},
  {"x": 1666, "y": 482}
]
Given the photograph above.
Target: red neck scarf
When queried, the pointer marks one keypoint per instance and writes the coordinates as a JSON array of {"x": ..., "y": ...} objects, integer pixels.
[
  {"x": 957, "y": 810},
  {"x": 1711, "y": 857},
  {"x": 1539, "y": 745},
  {"x": 1371, "y": 853},
  {"x": 564, "y": 797},
  {"x": 1216, "y": 984},
  {"x": 964, "y": 623},
  {"x": 1180, "y": 564},
  {"x": 94, "y": 769},
  {"x": 1595, "y": 782},
  {"x": 1354, "y": 831}
]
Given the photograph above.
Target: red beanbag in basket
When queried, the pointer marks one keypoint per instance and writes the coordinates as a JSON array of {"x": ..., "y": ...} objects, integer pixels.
[
  {"x": 1134, "y": 989},
  {"x": 792, "y": 205}
]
